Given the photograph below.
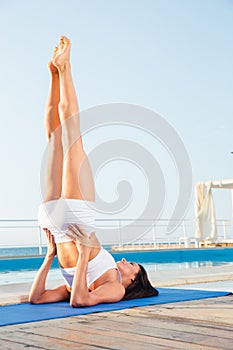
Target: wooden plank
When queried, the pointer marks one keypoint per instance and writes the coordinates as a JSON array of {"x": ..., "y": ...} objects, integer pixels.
[
  {"x": 211, "y": 311},
  {"x": 55, "y": 338},
  {"x": 152, "y": 329},
  {"x": 41, "y": 341},
  {"x": 98, "y": 334},
  {"x": 10, "y": 345},
  {"x": 92, "y": 337},
  {"x": 167, "y": 324},
  {"x": 147, "y": 317}
]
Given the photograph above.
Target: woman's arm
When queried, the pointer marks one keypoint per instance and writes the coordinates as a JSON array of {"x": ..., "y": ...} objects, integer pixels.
[
  {"x": 80, "y": 295},
  {"x": 109, "y": 292},
  {"x": 38, "y": 293}
]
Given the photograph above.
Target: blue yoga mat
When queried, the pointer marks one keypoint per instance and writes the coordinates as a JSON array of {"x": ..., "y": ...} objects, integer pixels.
[{"x": 23, "y": 313}]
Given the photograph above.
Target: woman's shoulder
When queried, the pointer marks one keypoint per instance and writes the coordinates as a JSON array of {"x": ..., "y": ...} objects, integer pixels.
[
  {"x": 110, "y": 276},
  {"x": 113, "y": 290}
]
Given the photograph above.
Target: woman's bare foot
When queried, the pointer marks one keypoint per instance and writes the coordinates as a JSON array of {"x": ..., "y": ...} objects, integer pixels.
[
  {"x": 62, "y": 54},
  {"x": 52, "y": 68}
]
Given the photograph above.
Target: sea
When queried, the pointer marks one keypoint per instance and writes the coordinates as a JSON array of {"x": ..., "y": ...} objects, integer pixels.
[
  {"x": 21, "y": 251},
  {"x": 28, "y": 251}
]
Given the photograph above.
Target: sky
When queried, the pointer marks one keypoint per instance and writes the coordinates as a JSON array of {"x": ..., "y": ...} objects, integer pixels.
[{"x": 171, "y": 57}]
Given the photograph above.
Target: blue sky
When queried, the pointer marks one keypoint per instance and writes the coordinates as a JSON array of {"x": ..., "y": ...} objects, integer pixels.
[{"x": 174, "y": 57}]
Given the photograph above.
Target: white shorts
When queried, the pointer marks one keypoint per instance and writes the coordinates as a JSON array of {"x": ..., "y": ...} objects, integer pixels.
[{"x": 56, "y": 215}]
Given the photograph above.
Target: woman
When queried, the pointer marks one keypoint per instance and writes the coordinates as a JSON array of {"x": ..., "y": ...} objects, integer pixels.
[{"x": 66, "y": 215}]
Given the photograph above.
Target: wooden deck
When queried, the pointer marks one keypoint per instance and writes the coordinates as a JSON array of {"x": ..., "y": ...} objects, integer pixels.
[{"x": 192, "y": 325}]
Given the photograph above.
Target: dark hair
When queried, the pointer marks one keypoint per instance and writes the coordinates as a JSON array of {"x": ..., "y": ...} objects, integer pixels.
[{"x": 140, "y": 287}]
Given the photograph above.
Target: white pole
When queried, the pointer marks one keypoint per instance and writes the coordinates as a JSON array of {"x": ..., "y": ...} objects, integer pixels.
[
  {"x": 186, "y": 240},
  {"x": 224, "y": 230},
  {"x": 232, "y": 201},
  {"x": 184, "y": 230},
  {"x": 154, "y": 235},
  {"x": 120, "y": 234}
]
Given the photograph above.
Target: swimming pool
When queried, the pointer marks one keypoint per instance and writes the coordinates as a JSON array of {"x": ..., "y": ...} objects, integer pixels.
[
  {"x": 24, "y": 276},
  {"x": 23, "y": 269}
]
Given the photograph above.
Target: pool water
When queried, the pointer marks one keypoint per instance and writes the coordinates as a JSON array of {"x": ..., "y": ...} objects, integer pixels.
[
  {"x": 25, "y": 276},
  {"x": 21, "y": 269},
  {"x": 183, "y": 265}
]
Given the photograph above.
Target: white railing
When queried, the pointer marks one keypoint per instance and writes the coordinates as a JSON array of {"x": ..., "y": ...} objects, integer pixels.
[
  {"x": 183, "y": 236},
  {"x": 18, "y": 227}
]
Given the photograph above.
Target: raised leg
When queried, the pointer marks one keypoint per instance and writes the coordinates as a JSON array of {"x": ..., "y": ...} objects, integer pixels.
[
  {"x": 53, "y": 174},
  {"x": 77, "y": 181}
]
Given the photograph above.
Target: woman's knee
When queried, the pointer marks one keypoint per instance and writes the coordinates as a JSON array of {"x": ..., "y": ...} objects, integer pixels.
[
  {"x": 67, "y": 111},
  {"x": 52, "y": 127}
]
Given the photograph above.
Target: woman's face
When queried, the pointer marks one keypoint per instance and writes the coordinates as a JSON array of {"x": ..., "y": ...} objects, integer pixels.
[{"x": 128, "y": 271}]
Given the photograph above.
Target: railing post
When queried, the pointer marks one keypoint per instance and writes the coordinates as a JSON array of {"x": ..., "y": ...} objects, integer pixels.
[
  {"x": 120, "y": 234},
  {"x": 154, "y": 235},
  {"x": 224, "y": 230},
  {"x": 186, "y": 240}
]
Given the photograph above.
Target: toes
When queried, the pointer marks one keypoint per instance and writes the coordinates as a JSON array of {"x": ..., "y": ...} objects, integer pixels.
[
  {"x": 64, "y": 43},
  {"x": 64, "y": 40},
  {"x": 55, "y": 51}
]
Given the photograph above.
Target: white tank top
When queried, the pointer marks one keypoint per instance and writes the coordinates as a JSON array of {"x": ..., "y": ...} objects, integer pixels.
[{"x": 103, "y": 262}]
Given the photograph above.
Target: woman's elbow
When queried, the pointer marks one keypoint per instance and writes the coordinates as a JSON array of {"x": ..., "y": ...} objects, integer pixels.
[
  {"x": 78, "y": 302},
  {"x": 75, "y": 304},
  {"x": 33, "y": 300}
]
